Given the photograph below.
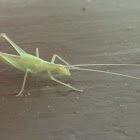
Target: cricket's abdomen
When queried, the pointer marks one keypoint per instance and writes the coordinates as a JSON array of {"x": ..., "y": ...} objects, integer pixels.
[{"x": 33, "y": 63}]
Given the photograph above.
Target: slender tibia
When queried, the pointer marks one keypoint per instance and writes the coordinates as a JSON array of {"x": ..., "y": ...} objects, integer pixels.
[
  {"x": 67, "y": 85},
  {"x": 24, "y": 81},
  {"x": 37, "y": 52}
]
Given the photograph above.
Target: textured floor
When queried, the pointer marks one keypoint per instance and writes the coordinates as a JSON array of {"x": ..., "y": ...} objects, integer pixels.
[{"x": 80, "y": 31}]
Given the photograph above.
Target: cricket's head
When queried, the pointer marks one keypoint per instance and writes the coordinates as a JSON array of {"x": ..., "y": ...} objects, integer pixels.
[{"x": 63, "y": 70}]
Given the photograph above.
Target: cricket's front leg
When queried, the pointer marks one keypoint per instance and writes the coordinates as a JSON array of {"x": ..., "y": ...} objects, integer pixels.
[
  {"x": 24, "y": 81},
  {"x": 67, "y": 85},
  {"x": 54, "y": 57}
]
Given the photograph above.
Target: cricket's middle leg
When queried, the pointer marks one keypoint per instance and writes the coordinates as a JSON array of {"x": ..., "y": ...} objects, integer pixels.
[
  {"x": 37, "y": 52},
  {"x": 24, "y": 81}
]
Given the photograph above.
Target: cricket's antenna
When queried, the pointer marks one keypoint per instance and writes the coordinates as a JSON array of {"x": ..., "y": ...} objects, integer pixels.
[
  {"x": 107, "y": 72},
  {"x": 83, "y": 65}
]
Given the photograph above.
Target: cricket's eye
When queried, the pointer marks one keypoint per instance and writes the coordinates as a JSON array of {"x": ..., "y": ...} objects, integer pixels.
[{"x": 60, "y": 67}]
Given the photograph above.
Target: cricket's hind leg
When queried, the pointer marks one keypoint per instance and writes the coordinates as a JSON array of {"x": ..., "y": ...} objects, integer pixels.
[
  {"x": 17, "y": 48},
  {"x": 67, "y": 85},
  {"x": 24, "y": 81}
]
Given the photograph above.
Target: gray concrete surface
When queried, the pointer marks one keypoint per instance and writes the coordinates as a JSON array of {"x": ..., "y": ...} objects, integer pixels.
[{"x": 102, "y": 31}]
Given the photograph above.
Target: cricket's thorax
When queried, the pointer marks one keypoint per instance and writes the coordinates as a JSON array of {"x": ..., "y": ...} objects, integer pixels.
[{"x": 33, "y": 63}]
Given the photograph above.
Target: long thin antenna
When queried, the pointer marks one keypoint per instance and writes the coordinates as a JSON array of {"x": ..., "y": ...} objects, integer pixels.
[
  {"x": 107, "y": 72},
  {"x": 81, "y": 65}
]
